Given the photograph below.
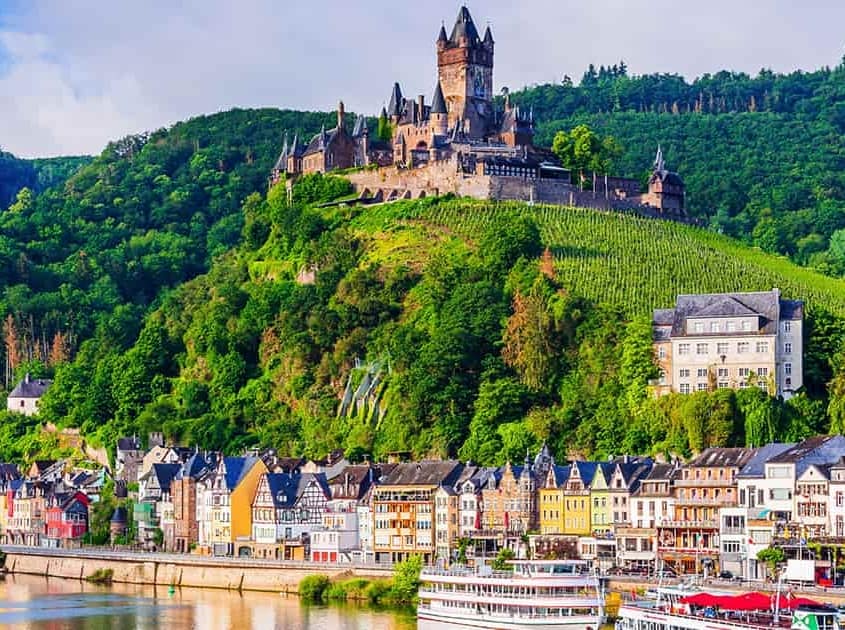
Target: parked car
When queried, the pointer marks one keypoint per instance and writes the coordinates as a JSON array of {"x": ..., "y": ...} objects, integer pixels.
[{"x": 726, "y": 575}]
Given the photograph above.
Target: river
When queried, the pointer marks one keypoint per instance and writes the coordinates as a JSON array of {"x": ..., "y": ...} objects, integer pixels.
[{"x": 37, "y": 603}]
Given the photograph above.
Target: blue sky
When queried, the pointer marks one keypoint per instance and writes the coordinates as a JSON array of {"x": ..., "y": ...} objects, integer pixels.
[{"x": 75, "y": 74}]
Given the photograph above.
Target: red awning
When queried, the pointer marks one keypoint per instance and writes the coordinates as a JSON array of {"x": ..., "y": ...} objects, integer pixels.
[
  {"x": 795, "y": 602},
  {"x": 702, "y": 599}
]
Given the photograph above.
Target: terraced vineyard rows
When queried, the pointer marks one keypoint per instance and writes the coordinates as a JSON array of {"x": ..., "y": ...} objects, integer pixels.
[{"x": 638, "y": 263}]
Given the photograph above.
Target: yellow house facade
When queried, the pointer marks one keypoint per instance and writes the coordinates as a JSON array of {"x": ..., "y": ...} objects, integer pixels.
[
  {"x": 553, "y": 501},
  {"x": 241, "y": 499},
  {"x": 576, "y": 499}
]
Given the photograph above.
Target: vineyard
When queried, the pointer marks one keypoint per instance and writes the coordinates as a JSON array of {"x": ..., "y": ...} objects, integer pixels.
[{"x": 631, "y": 262}]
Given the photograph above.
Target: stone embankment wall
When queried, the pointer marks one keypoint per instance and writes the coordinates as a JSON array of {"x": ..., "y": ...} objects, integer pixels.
[{"x": 167, "y": 570}]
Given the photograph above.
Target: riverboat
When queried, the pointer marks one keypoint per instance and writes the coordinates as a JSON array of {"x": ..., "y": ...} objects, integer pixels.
[
  {"x": 674, "y": 610},
  {"x": 536, "y": 594}
]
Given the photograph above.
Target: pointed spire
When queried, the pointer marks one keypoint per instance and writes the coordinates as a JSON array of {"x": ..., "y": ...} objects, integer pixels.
[
  {"x": 464, "y": 29},
  {"x": 395, "y": 106},
  {"x": 442, "y": 37},
  {"x": 488, "y": 36},
  {"x": 323, "y": 137},
  {"x": 438, "y": 103},
  {"x": 659, "y": 164},
  {"x": 295, "y": 146}
]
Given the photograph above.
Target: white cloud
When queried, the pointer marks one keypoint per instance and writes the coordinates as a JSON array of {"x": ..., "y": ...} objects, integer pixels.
[{"x": 83, "y": 73}]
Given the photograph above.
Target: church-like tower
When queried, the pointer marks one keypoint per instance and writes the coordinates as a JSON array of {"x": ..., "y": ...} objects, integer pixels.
[{"x": 465, "y": 73}]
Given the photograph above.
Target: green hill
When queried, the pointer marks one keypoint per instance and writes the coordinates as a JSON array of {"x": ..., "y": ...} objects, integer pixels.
[
  {"x": 440, "y": 327},
  {"x": 630, "y": 262}
]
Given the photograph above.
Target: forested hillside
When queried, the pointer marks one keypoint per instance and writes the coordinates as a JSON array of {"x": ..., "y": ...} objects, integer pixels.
[
  {"x": 36, "y": 175},
  {"x": 150, "y": 212},
  {"x": 441, "y": 327},
  {"x": 762, "y": 157}
]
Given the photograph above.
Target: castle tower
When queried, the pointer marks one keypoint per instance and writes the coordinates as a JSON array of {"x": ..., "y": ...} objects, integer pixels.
[
  {"x": 439, "y": 115},
  {"x": 465, "y": 74}
]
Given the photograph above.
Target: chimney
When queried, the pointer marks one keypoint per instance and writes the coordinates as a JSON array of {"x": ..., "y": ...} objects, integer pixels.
[
  {"x": 421, "y": 106},
  {"x": 341, "y": 114}
]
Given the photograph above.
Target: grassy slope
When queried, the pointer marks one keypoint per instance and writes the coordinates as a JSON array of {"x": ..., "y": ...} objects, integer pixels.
[{"x": 631, "y": 262}]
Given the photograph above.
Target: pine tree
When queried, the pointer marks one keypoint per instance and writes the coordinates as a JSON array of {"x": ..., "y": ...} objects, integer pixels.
[{"x": 59, "y": 350}]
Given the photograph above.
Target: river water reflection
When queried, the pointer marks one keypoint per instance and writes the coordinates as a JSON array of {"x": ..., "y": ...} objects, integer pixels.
[{"x": 35, "y": 603}]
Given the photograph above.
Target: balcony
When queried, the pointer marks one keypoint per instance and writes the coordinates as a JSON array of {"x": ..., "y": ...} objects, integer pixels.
[
  {"x": 688, "y": 525},
  {"x": 705, "y": 483},
  {"x": 720, "y": 502}
]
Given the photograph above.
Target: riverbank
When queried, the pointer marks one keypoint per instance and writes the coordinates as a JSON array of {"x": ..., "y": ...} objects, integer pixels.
[
  {"x": 30, "y": 602},
  {"x": 156, "y": 569}
]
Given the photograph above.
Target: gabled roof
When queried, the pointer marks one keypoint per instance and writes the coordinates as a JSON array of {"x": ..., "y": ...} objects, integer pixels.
[
  {"x": 165, "y": 474},
  {"x": 235, "y": 467},
  {"x": 586, "y": 471},
  {"x": 821, "y": 449},
  {"x": 722, "y": 457},
  {"x": 723, "y": 306},
  {"x": 560, "y": 474},
  {"x": 424, "y": 473},
  {"x": 30, "y": 388},
  {"x": 755, "y": 468},
  {"x": 766, "y": 304},
  {"x": 823, "y": 471}
]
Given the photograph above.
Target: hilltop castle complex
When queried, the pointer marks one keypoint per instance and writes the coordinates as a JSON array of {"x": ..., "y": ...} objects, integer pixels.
[{"x": 462, "y": 143}]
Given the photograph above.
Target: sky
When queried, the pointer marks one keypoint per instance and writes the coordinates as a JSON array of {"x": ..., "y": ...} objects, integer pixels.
[{"x": 75, "y": 74}]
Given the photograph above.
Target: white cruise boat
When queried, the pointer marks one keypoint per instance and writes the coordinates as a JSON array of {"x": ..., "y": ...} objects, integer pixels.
[
  {"x": 537, "y": 594},
  {"x": 674, "y": 610}
]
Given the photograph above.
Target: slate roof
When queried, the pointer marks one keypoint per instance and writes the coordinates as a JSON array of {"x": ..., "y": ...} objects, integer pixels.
[
  {"x": 561, "y": 474},
  {"x": 587, "y": 471},
  {"x": 424, "y": 473},
  {"x": 756, "y": 466},
  {"x": 765, "y": 304},
  {"x": 30, "y": 388},
  {"x": 129, "y": 443},
  {"x": 721, "y": 457},
  {"x": 235, "y": 467},
  {"x": 119, "y": 515},
  {"x": 394, "y": 108},
  {"x": 352, "y": 482},
  {"x": 193, "y": 467},
  {"x": 165, "y": 474},
  {"x": 821, "y": 449},
  {"x": 286, "y": 489},
  {"x": 438, "y": 103},
  {"x": 464, "y": 27},
  {"x": 9, "y": 472}
]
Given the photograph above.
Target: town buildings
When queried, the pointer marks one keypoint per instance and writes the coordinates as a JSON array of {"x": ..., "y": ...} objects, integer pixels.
[{"x": 735, "y": 340}]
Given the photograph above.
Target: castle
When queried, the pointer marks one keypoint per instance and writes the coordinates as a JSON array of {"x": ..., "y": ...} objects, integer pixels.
[{"x": 462, "y": 143}]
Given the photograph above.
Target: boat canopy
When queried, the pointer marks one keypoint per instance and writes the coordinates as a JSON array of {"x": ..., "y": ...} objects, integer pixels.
[{"x": 747, "y": 601}]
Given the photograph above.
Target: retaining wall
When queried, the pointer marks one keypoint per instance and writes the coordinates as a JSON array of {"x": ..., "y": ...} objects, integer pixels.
[{"x": 188, "y": 571}]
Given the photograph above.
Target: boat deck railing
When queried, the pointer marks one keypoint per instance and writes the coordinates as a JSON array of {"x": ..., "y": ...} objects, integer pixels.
[{"x": 754, "y": 621}]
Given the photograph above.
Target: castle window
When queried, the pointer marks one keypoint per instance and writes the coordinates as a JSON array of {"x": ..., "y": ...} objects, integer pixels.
[
  {"x": 787, "y": 326},
  {"x": 787, "y": 369},
  {"x": 787, "y": 348}
]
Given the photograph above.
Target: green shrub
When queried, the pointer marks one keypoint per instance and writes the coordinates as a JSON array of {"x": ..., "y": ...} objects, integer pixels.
[
  {"x": 312, "y": 587},
  {"x": 377, "y": 590},
  {"x": 335, "y": 592},
  {"x": 101, "y": 576}
]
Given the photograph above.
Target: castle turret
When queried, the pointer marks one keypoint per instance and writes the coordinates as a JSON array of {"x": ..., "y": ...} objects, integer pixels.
[
  {"x": 465, "y": 73},
  {"x": 394, "y": 108},
  {"x": 439, "y": 115}
]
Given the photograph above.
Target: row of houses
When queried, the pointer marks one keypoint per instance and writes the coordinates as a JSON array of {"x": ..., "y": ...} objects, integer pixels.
[
  {"x": 714, "y": 513},
  {"x": 47, "y": 504}
]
